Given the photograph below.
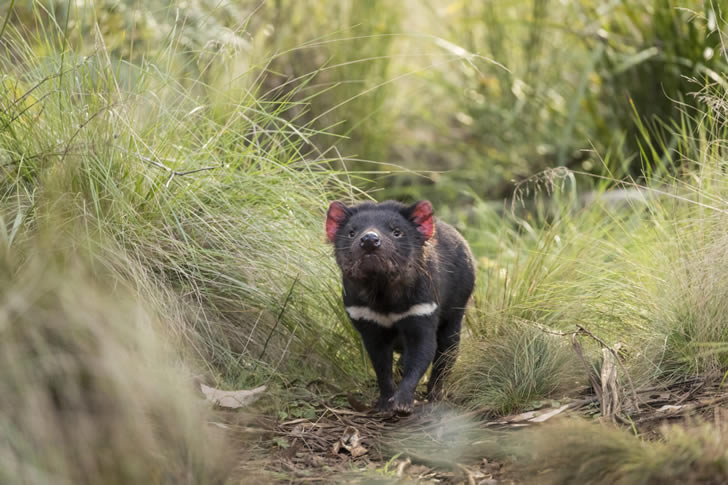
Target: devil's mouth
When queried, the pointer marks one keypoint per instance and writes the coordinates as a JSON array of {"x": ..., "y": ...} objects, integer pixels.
[
  {"x": 371, "y": 260},
  {"x": 369, "y": 264}
]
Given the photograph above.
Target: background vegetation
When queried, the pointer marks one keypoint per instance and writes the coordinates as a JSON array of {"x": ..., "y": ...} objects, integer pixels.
[{"x": 166, "y": 167}]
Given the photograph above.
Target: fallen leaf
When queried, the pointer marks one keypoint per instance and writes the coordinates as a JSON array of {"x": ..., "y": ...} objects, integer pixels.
[
  {"x": 288, "y": 452},
  {"x": 549, "y": 415},
  {"x": 521, "y": 417},
  {"x": 669, "y": 407},
  {"x": 402, "y": 466},
  {"x": 356, "y": 404},
  {"x": 336, "y": 447},
  {"x": 351, "y": 442},
  {"x": 231, "y": 399},
  {"x": 281, "y": 442},
  {"x": 418, "y": 470}
]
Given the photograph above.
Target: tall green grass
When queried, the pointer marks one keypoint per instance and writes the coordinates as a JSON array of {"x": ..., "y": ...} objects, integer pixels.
[
  {"x": 640, "y": 265},
  {"x": 206, "y": 188},
  {"x": 416, "y": 86},
  {"x": 347, "y": 51}
]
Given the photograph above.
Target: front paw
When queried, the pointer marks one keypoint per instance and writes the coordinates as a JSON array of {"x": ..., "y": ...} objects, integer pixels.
[
  {"x": 384, "y": 404},
  {"x": 402, "y": 404}
]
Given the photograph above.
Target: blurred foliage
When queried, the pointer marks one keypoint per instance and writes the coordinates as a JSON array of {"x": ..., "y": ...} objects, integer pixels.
[
  {"x": 475, "y": 94},
  {"x": 580, "y": 74},
  {"x": 488, "y": 92},
  {"x": 346, "y": 49},
  {"x": 91, "y": 392}
]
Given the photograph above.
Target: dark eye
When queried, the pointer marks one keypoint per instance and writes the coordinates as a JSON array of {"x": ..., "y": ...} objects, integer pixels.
[
  {"x": 397, "y": 233},
  {"x": 352, "y": 234}
]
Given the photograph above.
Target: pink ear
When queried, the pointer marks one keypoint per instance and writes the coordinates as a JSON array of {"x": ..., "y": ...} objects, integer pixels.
[
  {"x": 422, "y": 216},
  {"x": 334, "y": 217}
]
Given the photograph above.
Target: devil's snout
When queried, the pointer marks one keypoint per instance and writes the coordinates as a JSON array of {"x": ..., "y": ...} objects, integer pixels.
[{"x": 370, "y": 241}]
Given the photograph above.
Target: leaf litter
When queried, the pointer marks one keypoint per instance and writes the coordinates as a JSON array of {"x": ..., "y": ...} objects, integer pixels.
[{"x": 441, "y": 443}]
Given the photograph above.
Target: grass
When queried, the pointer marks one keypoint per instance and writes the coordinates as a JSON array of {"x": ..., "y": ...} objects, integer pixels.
[
  {"x": 347, "y": 49},
  {"x": 513, "y": 369},
  {"x": 643, "y": 270},
  {"x": 210, "y": 199},
  {"x": 590, "y": 454},
  {"x": 690, "y": 322}
]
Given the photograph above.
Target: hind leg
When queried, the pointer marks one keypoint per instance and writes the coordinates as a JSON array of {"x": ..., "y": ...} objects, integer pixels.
[{"x": 448, "y": 339}]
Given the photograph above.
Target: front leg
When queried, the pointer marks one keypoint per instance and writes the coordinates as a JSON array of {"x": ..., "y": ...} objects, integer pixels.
[
  {"x": 379, "y": 343},
  {"x": 419, "y": 336}
]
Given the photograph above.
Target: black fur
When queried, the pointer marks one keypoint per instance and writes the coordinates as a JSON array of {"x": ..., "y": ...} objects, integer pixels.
[{"x": 411, "y": 265}]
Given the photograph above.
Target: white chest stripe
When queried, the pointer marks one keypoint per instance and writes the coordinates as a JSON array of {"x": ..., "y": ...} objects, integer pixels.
[{"x": 389, "y": 319}]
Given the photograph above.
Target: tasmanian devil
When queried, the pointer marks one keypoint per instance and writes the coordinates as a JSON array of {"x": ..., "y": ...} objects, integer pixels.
[{"x": 407, "y": 278}]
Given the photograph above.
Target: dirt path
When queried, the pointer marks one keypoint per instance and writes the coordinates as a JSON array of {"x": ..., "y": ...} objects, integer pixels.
[
  {"x": 430, "y": 446},
  {"x": 438, "y": 443}
]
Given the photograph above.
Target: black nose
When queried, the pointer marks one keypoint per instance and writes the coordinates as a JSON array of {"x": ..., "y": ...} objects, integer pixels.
[{"x": 370, "y": 241}]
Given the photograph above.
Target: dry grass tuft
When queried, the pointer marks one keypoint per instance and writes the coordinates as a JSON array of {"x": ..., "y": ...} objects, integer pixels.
[{"x": 505, "y": 372}]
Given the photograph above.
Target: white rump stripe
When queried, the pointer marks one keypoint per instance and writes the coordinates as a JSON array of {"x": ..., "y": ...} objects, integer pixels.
[{"x": 389, "y": 319}]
